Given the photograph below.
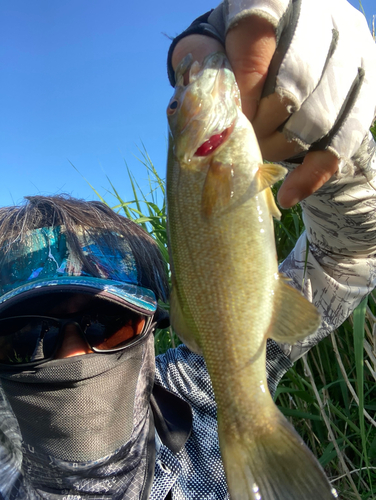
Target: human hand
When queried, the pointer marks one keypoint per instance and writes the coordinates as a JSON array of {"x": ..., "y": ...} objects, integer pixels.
[{"x": 250, "y": 45}]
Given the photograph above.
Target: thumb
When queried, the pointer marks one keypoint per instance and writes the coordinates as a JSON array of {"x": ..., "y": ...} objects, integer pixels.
[
  {"x": 198, "y": 45},
  {"x": 250, "y": 45},
  {"x": 317, "y": 168}
]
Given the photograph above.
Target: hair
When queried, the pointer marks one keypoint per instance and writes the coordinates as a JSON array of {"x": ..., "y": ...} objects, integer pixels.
[{"x": 95, "y": 219}]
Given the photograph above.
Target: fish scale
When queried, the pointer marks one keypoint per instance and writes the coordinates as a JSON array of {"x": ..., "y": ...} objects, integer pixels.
[{"x": 227, "y": 297}]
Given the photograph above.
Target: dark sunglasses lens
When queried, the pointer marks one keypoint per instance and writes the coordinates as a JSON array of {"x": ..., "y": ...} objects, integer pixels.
[
  {"x": 106, "y": 334},
  {"x": 27, "y": 339}
]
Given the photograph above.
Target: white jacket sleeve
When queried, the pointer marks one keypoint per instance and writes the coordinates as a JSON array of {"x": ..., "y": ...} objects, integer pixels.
[
  {"x": 340, "y": 221},
  {"x": 325, "y": 63}
]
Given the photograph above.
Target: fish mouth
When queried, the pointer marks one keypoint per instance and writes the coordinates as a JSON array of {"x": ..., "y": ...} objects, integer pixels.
[{"x": 213, "y": 143}]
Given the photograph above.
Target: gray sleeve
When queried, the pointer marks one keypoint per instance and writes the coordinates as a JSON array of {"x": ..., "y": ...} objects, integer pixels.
[
  {"x": 340, "y": 221},
  {"x": 10, "y": 447}
]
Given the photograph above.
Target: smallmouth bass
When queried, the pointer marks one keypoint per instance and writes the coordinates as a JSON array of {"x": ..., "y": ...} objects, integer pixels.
[{"x": 227, "y": 295}]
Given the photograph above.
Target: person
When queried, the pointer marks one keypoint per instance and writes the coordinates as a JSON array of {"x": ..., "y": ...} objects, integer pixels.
[{"x": 86, "y": 411}]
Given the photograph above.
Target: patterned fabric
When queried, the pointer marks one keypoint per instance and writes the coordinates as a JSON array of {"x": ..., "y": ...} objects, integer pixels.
[
  {"x": 201, "y": 475},
  {"x": 341, "y": 237},
  {"x": 340, "y": 221},
  {"x": 43, "y": 259},
  {"x": 196, "y": 472}
]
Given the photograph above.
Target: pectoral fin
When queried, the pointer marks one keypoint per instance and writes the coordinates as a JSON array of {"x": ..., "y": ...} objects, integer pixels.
[
  {"x": 294, "y": 317},
  {"x": 273, "y": 209},
  {"x": 268, "y": 174},
  {"x": 218, "y": 187},
  {"x": 180, "y": 325}
]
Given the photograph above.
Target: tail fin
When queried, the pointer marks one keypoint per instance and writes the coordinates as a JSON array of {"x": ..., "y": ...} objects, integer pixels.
[{"x": 275, "y": 464}]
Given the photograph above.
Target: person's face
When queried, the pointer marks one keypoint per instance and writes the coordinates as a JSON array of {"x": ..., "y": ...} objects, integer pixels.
[
  {"x": 109, "y": 327},
  {"x": 73, "y": 343}
]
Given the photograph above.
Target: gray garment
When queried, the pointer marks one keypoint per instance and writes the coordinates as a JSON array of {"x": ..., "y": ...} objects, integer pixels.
[
  {"x": 340, "y": 221},
  {"x": 196, "y": 472},
  {"x": 196, "y": 468},
  {"x": 100, "y": 408}
]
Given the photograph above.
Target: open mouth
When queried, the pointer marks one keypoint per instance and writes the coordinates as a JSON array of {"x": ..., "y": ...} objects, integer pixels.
[{"x": 214, "y": 142}]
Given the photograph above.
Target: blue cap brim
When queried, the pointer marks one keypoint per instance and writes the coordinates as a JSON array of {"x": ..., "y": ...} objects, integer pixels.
[{"x": 128, "y": 295}]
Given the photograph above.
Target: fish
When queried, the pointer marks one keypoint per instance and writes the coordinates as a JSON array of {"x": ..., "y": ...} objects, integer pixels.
[{"x": 227, "y": 296}]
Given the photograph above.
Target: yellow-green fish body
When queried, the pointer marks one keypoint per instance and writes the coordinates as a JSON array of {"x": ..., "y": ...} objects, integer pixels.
[{"x": 227, "y": 296}]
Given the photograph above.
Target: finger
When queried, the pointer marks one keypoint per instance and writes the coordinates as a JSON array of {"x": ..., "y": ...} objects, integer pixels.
[
  {"x": 316, "y": 169},
  {"x": 250, "y": 46},
  {"x": 276, "y": 147},
  {"x": 272, "y": 112},
  {"x": 198, "y": 45}
]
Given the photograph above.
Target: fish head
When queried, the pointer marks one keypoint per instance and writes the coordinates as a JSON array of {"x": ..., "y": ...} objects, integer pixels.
[{"x": 202, "y": 114}]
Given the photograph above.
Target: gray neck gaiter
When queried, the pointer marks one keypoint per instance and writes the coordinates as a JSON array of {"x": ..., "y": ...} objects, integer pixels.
[{"x": 86, "y": 425}]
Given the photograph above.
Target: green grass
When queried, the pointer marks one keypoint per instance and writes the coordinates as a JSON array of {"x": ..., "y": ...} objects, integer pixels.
[
  {"x": 373, "y": 130},
  {"x": 329, "y": 395}
]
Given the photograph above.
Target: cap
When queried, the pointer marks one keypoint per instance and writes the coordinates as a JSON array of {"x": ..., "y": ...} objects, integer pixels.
[{"x": 43, "y": 262}]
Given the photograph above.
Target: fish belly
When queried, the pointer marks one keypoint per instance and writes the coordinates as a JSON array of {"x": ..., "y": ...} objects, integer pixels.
[{"x": 225, "y": 269}]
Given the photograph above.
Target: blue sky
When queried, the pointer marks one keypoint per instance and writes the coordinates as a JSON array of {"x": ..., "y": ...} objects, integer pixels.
[{"x": 85, "y": 82}]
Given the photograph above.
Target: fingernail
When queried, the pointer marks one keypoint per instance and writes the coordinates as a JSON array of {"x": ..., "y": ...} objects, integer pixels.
[{"x": 288, "y": 199}]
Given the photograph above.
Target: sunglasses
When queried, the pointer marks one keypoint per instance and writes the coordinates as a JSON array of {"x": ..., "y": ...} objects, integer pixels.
[{"x": 30, "y": 340}]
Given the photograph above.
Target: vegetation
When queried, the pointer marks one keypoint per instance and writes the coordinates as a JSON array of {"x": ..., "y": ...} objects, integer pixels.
[{"x": 329, "y": 395}]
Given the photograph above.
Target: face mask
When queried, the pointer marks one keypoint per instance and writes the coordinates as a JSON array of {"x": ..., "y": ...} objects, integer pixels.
[{"x": 84, "y": 412}]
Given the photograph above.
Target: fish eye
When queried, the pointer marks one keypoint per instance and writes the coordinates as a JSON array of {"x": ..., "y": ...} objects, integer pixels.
[{"x": 172, "y": 107}]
